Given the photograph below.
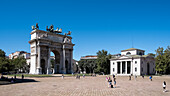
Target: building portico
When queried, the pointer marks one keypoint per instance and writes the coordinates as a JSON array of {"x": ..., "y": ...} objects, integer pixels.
[{"x": 135, "y": 64}]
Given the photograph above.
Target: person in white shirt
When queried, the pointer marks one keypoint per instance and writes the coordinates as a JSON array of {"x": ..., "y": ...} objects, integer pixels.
[{"x": 164, "y": 86}]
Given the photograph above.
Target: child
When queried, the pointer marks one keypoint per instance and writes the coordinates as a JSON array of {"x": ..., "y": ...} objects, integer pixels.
[
  {"x": 114, "y": 82},
  {"x": 106, "y": 79},
  {"x": 129, "y": 77},
  {"x": 164, "y": 86},
  {"x": 150, "y": 78},
  {"x": 110, "y": 82}
]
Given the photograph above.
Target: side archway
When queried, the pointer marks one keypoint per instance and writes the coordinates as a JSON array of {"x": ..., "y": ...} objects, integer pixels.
[{"x": 43, "y": 67}]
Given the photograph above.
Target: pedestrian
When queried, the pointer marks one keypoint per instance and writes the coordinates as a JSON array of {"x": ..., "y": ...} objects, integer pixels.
[
  {"x": 22, "y": 76},
  {"x": 150, "y": 78},
  {"x": 143, "y": 76},
  {"x": 114, "y": 82},
  {"x": 164, "y": 86},
  {"x": 62, "y": 76},
  {"x": 113, "y": 76},
  {"x": 15, "y": 77},
  {"x": 83, "y": 75},
  {"x": 135, "y": 77},
  {"x": 129, "y": 77},
  {"x": 79, "y": 76}
]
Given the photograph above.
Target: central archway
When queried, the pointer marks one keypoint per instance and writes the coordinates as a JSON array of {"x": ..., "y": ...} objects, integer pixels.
[{"x": 55, "y": 61}]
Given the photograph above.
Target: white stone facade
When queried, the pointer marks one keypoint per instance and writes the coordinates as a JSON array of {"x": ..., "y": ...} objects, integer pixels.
[{"x": 132, "y": 62}]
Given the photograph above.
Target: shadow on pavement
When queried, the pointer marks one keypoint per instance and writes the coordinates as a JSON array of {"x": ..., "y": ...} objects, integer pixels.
[{"x": 9, "y": 81}]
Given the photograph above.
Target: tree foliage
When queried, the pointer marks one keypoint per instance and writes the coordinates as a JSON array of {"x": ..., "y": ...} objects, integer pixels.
[
  {"x": 103, "y": 62},
  {"x": 2, "y": 53},
  {"x": 163, "y": 60},
  {"x": 7, "y": 65},
  {"x": 87, "y": 65},
  {"x": 20, "y": 64}
]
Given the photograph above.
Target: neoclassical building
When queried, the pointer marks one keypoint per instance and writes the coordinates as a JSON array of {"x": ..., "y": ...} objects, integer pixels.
[
  {"x": 42, "y": 43},
  {"x": 132, "y": 61}
]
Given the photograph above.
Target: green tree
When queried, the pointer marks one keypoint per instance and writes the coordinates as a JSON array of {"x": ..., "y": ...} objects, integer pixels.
[
  {"x": 20, "y": 64},
  {"x": 5, "y": 64},
  {"x": 2, "y": 53},
  {"x": 52, "y": 63},
  {"x": 87, "y": 65},
  {"x": 103, "y": 62},
  {"x": 160, "y": 60},
  {"x": 167, "y": 60}
]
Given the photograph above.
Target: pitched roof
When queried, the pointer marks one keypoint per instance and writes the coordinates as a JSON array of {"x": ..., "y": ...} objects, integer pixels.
[{"x": 131, "y": 49}]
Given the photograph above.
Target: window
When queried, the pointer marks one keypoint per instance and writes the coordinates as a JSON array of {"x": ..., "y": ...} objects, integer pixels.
[
  {"x": 140, "y": 53},
  {"x": 135, "y": 69},
  {"x": 128, "y": 53},
  {"x": 113, "y": 69},
  {"x": 113, "y": 63},
  {"x": 135, "y": 62}
]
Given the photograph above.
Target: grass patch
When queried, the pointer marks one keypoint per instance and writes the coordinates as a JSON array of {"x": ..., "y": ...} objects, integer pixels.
[
  {"x": 76, "y": 74},
  {"x": 30, "y": 75}
]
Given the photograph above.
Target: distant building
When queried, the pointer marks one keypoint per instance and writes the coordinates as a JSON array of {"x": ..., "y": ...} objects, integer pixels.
[
  {"x": 89, "y": 57},
  {"x": 132, "y": 61},
  {"x": 20, "y": 54}
]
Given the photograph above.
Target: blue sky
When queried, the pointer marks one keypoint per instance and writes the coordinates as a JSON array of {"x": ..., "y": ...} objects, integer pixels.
[{"x": 95, "y": 24}]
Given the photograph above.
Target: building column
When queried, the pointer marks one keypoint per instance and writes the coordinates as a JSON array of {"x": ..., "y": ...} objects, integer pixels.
[
  {"x": 49, "y": 62},
  {"x": 120, "y": 67},
  {"x": 39, "y": 61},
  {"x": 126, "y": 67},
  {"x": 131, "y": 71},
  {"x": 64, "y": 68}
]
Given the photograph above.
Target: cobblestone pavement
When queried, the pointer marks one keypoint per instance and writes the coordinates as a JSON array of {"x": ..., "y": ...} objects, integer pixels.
[{"x": 88, "y": 86}]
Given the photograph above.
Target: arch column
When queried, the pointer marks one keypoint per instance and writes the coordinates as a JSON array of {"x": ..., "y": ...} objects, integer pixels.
[
  {"x": 38, "y": 69},
  {"x": 71, "y": 65},
  {"x": 49, "y": 62},
  {"x": 64, "y": 53}
]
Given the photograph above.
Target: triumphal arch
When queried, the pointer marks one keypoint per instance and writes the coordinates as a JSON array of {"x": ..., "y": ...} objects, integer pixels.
[{"x": 43, "y": 43}]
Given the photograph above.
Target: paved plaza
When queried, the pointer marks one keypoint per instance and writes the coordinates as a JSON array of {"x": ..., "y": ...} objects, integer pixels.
[{"x": 88, "y": 86}]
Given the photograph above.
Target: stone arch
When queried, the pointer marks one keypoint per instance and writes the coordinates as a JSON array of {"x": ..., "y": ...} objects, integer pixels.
[{"x": 42, "y": 44}]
